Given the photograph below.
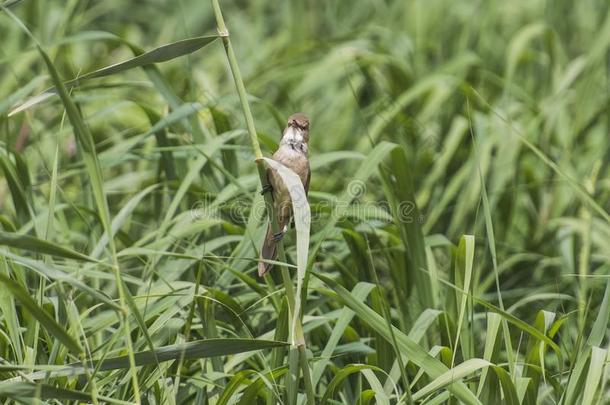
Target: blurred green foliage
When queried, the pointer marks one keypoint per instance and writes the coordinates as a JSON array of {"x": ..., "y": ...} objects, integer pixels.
[{"x": 431, "y": 121}]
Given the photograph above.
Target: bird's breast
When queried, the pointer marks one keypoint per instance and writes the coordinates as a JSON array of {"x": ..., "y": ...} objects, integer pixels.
[{"x": 294, "y": 158}]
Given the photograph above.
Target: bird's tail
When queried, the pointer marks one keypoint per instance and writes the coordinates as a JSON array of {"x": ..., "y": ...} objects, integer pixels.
[{"x": 269, "y": 250}]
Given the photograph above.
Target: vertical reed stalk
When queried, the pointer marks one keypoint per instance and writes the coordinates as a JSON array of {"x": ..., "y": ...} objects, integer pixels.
[{"x": 241, "y": 90}]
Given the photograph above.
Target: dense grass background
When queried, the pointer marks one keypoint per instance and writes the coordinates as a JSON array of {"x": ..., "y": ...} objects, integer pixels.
[{"x": 459, "y": 192}]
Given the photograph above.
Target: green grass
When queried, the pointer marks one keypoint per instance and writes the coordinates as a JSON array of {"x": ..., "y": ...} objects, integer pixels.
[{"x": 458, "y": 250}]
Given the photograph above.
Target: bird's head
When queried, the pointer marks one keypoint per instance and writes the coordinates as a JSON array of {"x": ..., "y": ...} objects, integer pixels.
[{"x": 297, "y": 129}]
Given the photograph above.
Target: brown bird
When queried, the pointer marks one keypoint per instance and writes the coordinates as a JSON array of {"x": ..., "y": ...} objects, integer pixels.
[{"x": 292, "y": 153}]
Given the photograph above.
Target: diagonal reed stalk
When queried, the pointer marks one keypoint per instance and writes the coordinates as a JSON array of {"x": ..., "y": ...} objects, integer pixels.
[{"x": 301, "y": 359}]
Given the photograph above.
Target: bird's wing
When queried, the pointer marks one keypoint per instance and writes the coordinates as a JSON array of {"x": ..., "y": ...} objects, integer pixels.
[
  {"x": 268, "y": 175},
  {"x": 306, "y": 185}
]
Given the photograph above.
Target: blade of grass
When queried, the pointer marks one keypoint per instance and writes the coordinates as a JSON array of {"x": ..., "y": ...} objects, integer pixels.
[
  {"x": 160, "y": 54},
  {"x": 464, "y": 264},
  {"x": 596, "y": 367},
  {"x": 399, "y": 186},
  {"x": 575, "y": 185},
  {"x": 412, "y": 350},
  {"x": 21, "y": 390},
  {"x": 194, "y": 350},
  {"x": 491, "y": 240},
  {"x": 55, "y": 274},
  {"x": 41, "y": 315},
  {"x": 341, "y": 375},
  {"x": 36, "y": 245}
]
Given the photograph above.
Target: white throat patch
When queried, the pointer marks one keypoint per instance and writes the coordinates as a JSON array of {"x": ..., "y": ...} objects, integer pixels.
[{"x": 292, "y": 135}]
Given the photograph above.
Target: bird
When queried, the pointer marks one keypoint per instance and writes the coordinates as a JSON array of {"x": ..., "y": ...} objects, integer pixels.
[{"x": 293, "y": 152}]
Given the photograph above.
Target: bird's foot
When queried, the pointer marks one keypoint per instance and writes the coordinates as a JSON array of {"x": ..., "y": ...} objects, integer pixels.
[
  {"x": 277, "y": 236},
  {"x": 267, "y": 188}
]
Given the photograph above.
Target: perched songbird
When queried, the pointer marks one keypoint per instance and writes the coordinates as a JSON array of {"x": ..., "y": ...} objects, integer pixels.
[{"x": 292, "y": 153}]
